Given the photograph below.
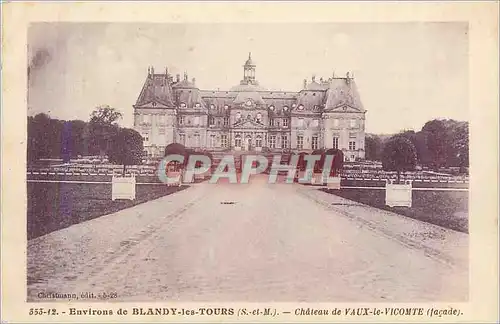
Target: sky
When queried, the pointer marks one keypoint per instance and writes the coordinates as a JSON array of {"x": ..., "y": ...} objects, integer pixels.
[{"x": 406, "y": 73}]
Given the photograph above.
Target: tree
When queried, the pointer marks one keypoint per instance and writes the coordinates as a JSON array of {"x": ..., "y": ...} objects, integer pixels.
[
  {"x": 103, "y": 126},
  {"x": 373, "y": 148},
  {"x": 338, "y": 161},
  {"x": 437, "y": 143},
  {"x": 127, "y": 148},
  {"x": 177, "y": 148},
  {"x": 399, "y": 155},
  {"x": 105, "y": 115},
  {"x": 458, "y": 150}
]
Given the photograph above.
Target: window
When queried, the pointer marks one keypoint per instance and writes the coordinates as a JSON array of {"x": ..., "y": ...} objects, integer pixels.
[
  {"x": 314, "y": 143},
  {"x": 197, "y": 120},
  {"x": 197, "y": 105},
  {"x": 223, "y": 140},
  {"x": 315, "y": 123},
  {"x": 300, "y": 142},
  {"x": 212, "y": 141},
  {"x": 211, "y": 121},
  {"x": 335, "y": 142},
  {"x": 146, "y": 119},
  {"x": 181, "y": 120},
  {"x": 272, "y": 141},
  {"x": 161, "y": 119},
  {"x": 301, "y": 122},
  {"x": 196, "y": 140},
  {"x": 237, "y": 141},
  {"x": 161, "y": 131},
  {"x": 226, "y": 121},
  {"x": 285, "y": 122},
  {"x": 238, "y": 115},
  {"x": 352, "y": 123},
  {"x": 352, "y": 145},
  {"x": 271, "y": 121},
  {"x": 336, "y": 123},
  {"x": 258, "y": 141},
  {"x": 259, "y": 117},
  {"x": 183, "y": 105},
  {"x": 145, "y": 137},
  {"x": 284, "y": 141}
]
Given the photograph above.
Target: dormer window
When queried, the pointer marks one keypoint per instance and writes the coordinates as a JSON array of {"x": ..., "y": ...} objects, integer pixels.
[
  {"x": 226, "y": 107},
  {"x": 301, "y": 107},
  {"x": 294, "y": 105},
  {"x": 212, "y": 106},
  {"x": 197, "y": 105},
  {"x": 153, "y": 104},
  {"x": 183, "y": 105},
  {"x": 248, "y": 103},
  {"x": 271, "y": 108},
  {"x": 285, "y": 108}
]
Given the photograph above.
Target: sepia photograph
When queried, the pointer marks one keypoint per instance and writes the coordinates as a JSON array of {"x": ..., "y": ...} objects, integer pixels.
[{"x": 310, "y": 162}]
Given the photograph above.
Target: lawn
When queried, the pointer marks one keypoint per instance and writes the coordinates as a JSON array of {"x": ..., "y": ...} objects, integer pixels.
[
  {"x": 448, "y": 209},
  {"x": 53, "y": 206}
]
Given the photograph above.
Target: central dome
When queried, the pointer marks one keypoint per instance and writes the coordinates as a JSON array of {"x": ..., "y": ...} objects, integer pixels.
[{"x": 247, "y": 88}]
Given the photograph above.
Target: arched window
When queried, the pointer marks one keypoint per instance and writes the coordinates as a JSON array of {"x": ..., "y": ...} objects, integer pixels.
[
  {"x": 237, "y": 141},
  {"x": 258, "y": 141}
]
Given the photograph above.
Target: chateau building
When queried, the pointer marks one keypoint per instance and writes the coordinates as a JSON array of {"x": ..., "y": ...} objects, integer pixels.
[{"x": 247, "y": 117}]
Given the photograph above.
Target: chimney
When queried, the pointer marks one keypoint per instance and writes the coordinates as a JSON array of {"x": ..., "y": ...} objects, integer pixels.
[
  {"x": 166, "y": 71},
  {"x": 305, "y": 83},
  {"x": 152, "y": 70},
  {"x": 193, "y": 80},
  {"x": 347, "y": 75},
  {"x": 185, "y": 76},
  {"x": 313, "y": 78},
  {"x": 178, "y": 78}
]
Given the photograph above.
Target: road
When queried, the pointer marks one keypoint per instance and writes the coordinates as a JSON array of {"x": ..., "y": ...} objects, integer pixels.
[{"x": 269, "y": 243}]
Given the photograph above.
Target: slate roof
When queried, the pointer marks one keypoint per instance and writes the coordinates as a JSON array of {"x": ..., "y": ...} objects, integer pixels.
[
  {"x": 343, "y": 91},
  {"x": 189, "y": 97},
  {"x": 156, "y": 88},
  {"x": 184, "y": 84}
]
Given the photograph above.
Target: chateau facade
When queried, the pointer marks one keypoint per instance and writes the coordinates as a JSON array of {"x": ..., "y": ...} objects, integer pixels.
[{"x": 247, "y": 117}]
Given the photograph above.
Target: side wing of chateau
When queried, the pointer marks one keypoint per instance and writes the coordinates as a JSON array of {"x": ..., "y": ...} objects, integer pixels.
[{"x": 247, "y": 117}]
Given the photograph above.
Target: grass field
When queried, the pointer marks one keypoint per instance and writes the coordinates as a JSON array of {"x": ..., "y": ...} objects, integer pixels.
[
  {"x": 444, "y": 208},
  {"x": 53, "y": 206}
]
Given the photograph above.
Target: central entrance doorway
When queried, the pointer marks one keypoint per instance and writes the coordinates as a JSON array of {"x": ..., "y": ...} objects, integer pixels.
[{"x": 248, "y": 143}]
